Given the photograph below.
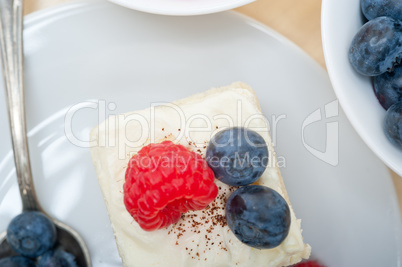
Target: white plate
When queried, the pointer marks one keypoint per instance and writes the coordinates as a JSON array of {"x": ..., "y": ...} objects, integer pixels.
[
  {"x": 181, "y": 7},
  {"x": 354, "y": 91},
  {"x": 95, "y": 50}
]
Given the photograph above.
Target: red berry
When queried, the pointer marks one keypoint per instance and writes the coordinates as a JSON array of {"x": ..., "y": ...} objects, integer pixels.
[
  {"x": 309, "y": 264},
  {"x": 165, "y": 180}
]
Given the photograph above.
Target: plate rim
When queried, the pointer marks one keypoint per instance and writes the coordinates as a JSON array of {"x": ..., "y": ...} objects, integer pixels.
[{"x": 47, "y": 13}]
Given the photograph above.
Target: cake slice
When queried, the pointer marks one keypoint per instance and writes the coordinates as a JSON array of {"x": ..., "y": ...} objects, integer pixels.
[{"x": 199, "y": 238}]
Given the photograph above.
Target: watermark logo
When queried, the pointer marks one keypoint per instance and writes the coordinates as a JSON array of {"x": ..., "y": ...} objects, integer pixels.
[
  {"x": 129, "y": 132},
  {"x": 331, "y": 153}
]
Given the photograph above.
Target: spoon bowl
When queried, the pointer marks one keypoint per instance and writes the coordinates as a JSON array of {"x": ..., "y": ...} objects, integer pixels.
[
  {"x": 67, "y": 239},
  {"x": 11, "y": 25},
  {"x": 71, "y": 241}
]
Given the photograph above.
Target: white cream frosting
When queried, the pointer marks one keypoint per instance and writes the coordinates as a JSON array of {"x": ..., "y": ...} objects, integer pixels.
[{"x": 200, "y": 238}]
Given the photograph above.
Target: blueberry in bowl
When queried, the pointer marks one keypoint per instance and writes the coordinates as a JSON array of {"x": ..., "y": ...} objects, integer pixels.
[
  {"x": 377, "y": 47},
  {"x": 258, "y": 216},
  {"x": 238, "y": 156},
  {"x": 388, "y": 87},
  {"x": 378, "y": 8},
  {"x": 393, "y": 124}
]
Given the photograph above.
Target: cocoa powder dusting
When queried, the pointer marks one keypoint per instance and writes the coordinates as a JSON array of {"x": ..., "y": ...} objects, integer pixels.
[{"x": 203, "y": 227}]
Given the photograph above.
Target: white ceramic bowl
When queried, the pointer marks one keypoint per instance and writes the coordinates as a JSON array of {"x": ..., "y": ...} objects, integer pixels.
[
  {"x": 181, "y": 7},
  {"x": 341, "y": 19}
]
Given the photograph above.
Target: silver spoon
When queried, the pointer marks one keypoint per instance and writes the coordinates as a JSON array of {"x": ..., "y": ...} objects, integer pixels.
[{"x": 11, "y": 25}]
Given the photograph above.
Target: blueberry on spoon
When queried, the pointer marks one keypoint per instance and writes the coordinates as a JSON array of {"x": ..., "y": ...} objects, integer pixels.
[
  {"x": 57, "y": 258},
  {"x": 31, "y": 234},
  {"x": 16, "y": 261}
]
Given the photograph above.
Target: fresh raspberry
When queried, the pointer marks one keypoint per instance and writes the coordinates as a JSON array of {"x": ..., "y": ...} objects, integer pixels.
[
  {"x": 165, "y": 180},
  {"x": 309, "y": 264}
]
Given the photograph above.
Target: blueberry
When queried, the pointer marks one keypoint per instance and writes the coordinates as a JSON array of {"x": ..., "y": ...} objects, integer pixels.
[
  {"x": 388, "y": 87},
  {"x": 258, "y": 216},
  {"x": 378, "y": 8},
  {"x": 377, "y": 46},
  {"x": 57, "y": 258},
  {"x": 238, "y": 156},
  {"x": 393, "y": 124},
  {"x": 31, "y": 234},
  {"x": 16, "y": 261}
]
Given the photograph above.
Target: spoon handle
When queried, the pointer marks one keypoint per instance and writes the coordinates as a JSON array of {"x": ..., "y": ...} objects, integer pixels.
[{"x": 11, "y": 25}]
